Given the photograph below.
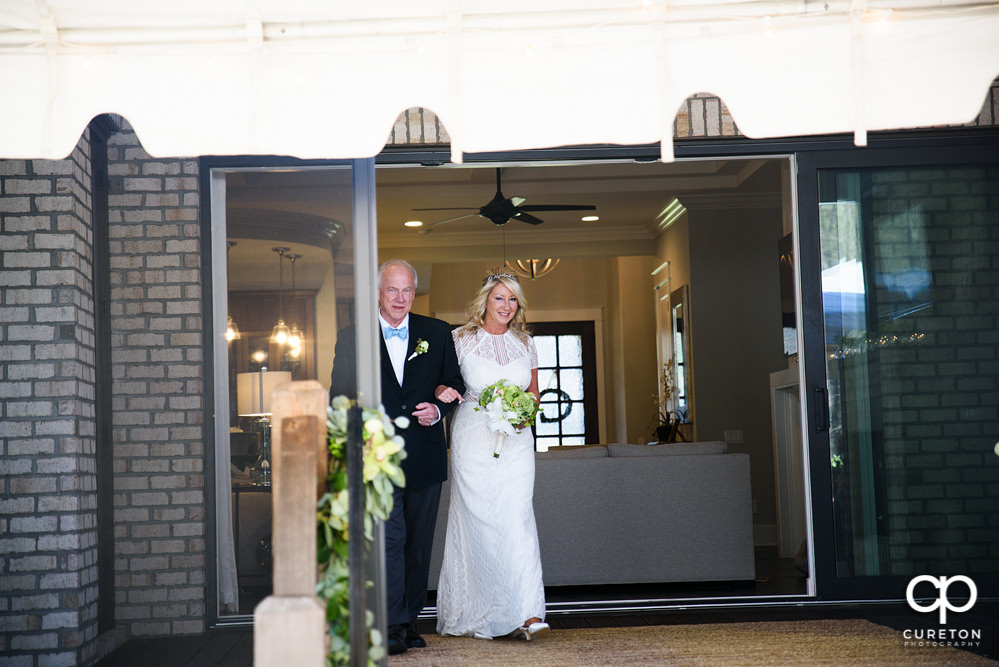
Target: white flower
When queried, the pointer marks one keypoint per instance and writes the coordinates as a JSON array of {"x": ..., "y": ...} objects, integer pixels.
[
  {"x": 421, "y": 347},
  {"x": 499, "y": 419}
]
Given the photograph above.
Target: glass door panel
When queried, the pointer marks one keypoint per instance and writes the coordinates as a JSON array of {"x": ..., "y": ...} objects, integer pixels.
[
  {"x": 284, "y": 242},
  {"x": 910, "y": 302},
  {"x": 567, "y": 381}
]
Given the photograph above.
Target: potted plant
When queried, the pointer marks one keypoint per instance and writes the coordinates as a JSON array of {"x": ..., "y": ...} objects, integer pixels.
[{"x": 666, "y": 427}]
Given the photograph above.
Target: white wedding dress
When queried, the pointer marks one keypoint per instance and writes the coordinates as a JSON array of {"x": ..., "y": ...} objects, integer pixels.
[{"x": 491, "y": 575}]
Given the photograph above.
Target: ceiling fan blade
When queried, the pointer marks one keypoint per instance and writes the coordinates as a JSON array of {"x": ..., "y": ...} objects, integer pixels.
[
  {"x": 441, "y": 222},
  {"x": 557, "y": 207},
  {"x": 526, "y": 217},
  {"x": 453, "y": 208}
]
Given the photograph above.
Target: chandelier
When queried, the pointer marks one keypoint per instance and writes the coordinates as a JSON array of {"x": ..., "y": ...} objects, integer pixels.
[
  {"x": 231, "y": 330},
  {"x": 279, "y": 334},
  {"x": 532, "y": 268}
]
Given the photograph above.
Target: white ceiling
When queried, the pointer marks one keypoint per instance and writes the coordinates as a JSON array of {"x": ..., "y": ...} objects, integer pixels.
[
  {"x": 630, "y": 196},
  {"x": 326, "y": 79}
]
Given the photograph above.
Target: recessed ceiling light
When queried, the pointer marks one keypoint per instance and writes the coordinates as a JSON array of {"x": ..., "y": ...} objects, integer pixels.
[
  {"x": 413, "y": 223},
  {"x": 590, "y": 218}
]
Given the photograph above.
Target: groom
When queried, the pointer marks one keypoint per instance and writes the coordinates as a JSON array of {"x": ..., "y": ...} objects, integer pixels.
[{"x": 417, "y": 355}]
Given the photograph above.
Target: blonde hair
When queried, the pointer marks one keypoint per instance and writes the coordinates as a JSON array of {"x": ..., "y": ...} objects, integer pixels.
[{"x": 475, "y": 311}]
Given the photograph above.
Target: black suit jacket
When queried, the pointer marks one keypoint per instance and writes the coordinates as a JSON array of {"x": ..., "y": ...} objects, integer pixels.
[{"x": 426, "y": 446}]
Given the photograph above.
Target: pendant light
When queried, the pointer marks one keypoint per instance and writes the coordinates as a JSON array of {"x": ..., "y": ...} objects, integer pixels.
[
  {"x": 533, "y": 268},
  {"x": 231, "y": 330},
  {"x": 294, "y": 334},
  {"x": 279, "y": 334}
]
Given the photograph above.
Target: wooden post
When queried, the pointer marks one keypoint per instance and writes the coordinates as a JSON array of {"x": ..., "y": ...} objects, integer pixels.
[{"x": 290, "y": 624}]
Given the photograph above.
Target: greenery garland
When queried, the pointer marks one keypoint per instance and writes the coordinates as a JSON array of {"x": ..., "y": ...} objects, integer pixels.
[{"x": 382, "y": 472}]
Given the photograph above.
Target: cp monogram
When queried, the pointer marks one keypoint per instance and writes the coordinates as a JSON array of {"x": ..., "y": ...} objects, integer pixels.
[{"x": 942, "y": 602}]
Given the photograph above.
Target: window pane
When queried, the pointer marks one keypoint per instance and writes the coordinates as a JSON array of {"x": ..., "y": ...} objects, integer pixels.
[
  {"x": 298, "y": 272},
  {"x": 550, "y": 411},
  {"x": 542, "y": 427},
  {"x": 542, "y": 444},
  {"x": 570, "y": 350},
  {"x": 909, "y": 293},
  {"x": 573, "y": 422},
  {"x": 546, "y": 350},
  {"x": 572, "y": 383},
  {"x": 547, "y": 379},
  {"x": 574, "y": 441}
]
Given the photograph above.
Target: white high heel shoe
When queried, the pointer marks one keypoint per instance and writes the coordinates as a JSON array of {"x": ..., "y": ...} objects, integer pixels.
[
  {"x": 529, "y": 632},
  {"x": 538, "y": 629}
]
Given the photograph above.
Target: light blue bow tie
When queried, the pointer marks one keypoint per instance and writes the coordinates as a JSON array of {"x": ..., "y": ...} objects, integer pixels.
[{"x": 401, "y": 332}]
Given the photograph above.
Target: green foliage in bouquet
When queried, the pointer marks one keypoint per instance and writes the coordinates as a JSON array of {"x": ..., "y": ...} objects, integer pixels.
[
  {"x": 382, "y": 472},
  {"x": 519, "y": 407}
]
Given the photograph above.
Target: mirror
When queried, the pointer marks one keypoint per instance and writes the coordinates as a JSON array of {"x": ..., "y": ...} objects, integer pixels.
[{"x": 679, "y": 304}]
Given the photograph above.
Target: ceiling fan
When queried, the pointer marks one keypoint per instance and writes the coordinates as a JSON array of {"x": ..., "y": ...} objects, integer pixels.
[{"x": 501, "y": 210}]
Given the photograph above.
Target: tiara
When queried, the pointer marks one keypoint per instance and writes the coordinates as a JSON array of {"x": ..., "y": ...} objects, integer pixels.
[{"x": 496, "y": 276}]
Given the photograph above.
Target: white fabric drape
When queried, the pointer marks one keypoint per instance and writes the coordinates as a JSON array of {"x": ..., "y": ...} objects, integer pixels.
[
  {"x": 327, "y": 78},
  {"x": 228, "y": 581},
  {"x": 228, "y": 586}
]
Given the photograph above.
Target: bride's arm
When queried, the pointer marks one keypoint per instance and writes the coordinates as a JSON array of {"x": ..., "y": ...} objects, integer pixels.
[{"x": 446, "y": 394}]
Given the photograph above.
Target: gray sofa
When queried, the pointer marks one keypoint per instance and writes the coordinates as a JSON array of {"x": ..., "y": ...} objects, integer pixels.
[{"x": 623, "y": 513}]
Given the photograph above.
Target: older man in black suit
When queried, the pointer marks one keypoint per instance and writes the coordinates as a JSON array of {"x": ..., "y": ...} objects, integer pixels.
[{"x": 417, "y": 355}]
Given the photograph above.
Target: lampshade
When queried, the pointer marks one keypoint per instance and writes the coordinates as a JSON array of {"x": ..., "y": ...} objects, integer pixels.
[{"x": 253, "y": 391}]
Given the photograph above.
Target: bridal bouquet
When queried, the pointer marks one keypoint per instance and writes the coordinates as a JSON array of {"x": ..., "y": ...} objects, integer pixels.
[{"x": 508, "y": 409}]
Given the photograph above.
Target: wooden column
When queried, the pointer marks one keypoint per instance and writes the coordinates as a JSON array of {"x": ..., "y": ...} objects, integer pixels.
[{"x": 290, "y": 624}]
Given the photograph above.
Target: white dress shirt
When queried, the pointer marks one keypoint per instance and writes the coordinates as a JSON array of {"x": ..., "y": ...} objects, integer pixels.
[{"x": 396, "y": 347}]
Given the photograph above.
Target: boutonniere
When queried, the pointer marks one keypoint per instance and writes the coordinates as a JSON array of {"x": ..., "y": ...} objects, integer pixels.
[{"x": 421, "y": 347}]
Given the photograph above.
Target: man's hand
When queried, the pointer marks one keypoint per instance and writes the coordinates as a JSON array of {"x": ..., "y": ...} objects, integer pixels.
[{"x": 426, "y": 414}]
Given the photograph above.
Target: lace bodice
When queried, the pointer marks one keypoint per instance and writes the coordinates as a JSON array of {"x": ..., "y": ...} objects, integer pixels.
[{"x": 485, "y": 358}]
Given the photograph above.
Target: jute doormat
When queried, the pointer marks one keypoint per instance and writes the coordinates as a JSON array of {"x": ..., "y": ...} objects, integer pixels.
[{"x": 780, "y": 643}]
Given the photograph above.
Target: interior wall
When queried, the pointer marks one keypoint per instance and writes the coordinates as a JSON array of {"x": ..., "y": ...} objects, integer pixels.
[
  {"x": 637, "y": 331},
  {"x": 326, "y": 327},
  {"x": 736, "y": 337},
  {"x": 613, "y": 285},
  {"x": 673, "y": 246}
]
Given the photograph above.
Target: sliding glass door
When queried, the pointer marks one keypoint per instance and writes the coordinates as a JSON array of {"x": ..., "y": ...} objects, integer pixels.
[
  {"x": 293, "y": 263},
  {"x": 904, "y": 273}
]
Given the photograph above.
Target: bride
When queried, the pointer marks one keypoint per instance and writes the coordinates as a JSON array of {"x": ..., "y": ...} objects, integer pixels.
[{"x": 490, "y": 583}]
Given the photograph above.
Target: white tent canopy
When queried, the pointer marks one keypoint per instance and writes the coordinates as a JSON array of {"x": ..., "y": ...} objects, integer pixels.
[{"x": 327, "y": 78}]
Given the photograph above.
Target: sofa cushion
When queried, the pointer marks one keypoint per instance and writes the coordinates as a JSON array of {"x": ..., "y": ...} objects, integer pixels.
[
  {"x": 573, "y": 452},
  {"x": 671, "y": 449}
]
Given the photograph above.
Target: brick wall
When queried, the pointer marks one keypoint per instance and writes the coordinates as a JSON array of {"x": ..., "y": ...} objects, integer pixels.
[
  {"x": 48, "y": 519},
  {"x": 158, "y": 403}
]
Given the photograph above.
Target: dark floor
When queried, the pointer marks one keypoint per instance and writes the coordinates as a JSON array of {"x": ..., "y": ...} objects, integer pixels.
[
  {"x": 234, "y": 647},
  {"x": 776, "y": 590}
]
